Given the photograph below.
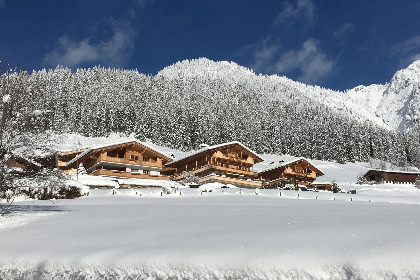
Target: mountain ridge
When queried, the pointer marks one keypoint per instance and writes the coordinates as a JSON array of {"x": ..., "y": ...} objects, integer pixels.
[
  {"x": 394, "y": 105},
  {"x": 202, "y": 101}
]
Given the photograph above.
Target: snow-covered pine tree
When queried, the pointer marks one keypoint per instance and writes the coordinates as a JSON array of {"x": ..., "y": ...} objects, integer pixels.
[
  {"x": 417, "y": 182},
  {"x": 81, "y": 170},
  {"x": 200, "y": 101}
]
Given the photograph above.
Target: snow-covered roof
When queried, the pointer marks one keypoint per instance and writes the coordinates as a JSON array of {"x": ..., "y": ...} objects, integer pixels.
[
  {"x": 283, "y": 164},
  {"x": 209, "y": 148},
  {"x": 90, "y": 149},
  {"x": 394, "y": 171}
]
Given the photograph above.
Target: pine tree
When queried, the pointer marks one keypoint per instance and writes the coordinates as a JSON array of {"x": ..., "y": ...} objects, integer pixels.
[{"x": 81, "y": 170}]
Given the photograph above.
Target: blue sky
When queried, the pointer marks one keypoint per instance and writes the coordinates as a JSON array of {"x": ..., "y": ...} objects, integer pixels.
[{"x": 337, "y": 44}]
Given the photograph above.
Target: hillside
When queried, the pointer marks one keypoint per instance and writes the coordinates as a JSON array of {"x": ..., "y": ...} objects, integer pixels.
[
  {"x": 202, "y": 101},
  {"x": 395, "y": 105}
]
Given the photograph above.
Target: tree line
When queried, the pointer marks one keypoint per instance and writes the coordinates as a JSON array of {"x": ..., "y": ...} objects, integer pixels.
[{"x": 182, "y": 107}]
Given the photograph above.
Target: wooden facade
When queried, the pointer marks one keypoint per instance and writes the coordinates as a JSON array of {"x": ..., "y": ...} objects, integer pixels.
[
  {"x": 300, "y": 170},
  {"x": 131, "y": 159},
  {"x": 229, "y": 163},
  {"x": 233, "y": 163},
  {"x": 394, "y": 177}
]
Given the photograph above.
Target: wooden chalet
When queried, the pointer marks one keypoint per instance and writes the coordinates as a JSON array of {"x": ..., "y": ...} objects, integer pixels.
[
  {"x": 394, "y": 177},
  {"x": 129, "y": 159},
  {"x": 300, "y": 170},
  {"x": 233, "y": 163},
  {"x": 228, "y": 163},
  {"x": 23, "y": 165}
]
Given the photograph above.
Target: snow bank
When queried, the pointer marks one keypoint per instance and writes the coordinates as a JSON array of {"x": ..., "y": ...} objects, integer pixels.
[
  {"x": 215, "y": 185},
  {"x": 235, "y": 235},
  {"x": 149, "y": 183},
  {"x": 96, "y": 181},
  {"x": 179, "y": 271}
]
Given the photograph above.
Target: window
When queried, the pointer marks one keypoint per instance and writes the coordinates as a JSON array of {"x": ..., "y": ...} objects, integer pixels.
[
  {"x": 112, "y": 153},
  {"x": 135, "y": 170},
  {"x": 133, "y": 157},
  {"x": 145, "y": 158},
  {"x": 146, "y": 172}
]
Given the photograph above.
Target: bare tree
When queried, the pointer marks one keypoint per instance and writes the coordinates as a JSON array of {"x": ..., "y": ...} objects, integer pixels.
[
  {"x": 5, "y": 126},
  {"x": 15, "y": 111}
]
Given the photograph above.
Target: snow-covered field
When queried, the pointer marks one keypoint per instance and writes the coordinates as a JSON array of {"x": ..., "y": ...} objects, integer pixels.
[{"x": 225, "y": 234}]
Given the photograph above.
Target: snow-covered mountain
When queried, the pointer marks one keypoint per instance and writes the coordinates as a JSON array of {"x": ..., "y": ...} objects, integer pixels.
[
  {"x": 203, "y": 101},
  {"x": 399, "y": 106},
  {"x": 395, "y": 105}
]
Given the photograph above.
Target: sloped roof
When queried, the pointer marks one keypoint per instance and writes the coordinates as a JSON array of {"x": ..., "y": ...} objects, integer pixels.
[
  {"x": 393, "y": 171},
  {"x": 215, "y": 147},
  {"x": 284, "y": 164},
  {"x": 93, "y": 148}
]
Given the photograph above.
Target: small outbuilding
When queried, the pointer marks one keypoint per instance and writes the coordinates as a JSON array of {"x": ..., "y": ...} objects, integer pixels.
[{"x": 394, "y": 177}]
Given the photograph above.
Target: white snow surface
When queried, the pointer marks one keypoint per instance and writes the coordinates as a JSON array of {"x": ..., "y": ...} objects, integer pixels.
[
  {"x": 224, "y": 234},
  {"x": 95, "y": 181},
  {"x": 150, "y": 182}
]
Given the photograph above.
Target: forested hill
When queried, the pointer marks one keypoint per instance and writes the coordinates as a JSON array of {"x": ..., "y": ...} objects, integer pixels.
[{"x": 202, "y": 101}]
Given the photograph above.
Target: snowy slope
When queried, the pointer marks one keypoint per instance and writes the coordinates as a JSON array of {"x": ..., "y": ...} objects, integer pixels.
[
  {"x": 395, "y": 105},
  {"x": 400, "y": 103},
  {"x": 229, "y": 235}
]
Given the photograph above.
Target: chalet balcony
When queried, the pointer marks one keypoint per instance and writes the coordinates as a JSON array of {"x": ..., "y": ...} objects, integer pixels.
[
  {"x": 151, "y": 162},
  {"x": 301, "y": 175},
  {"x": 123, "y": 174},
  {"x": 232, "y": 159},
  {"x": 219, "y": 168},
  {"x": 233, "y": 181}
]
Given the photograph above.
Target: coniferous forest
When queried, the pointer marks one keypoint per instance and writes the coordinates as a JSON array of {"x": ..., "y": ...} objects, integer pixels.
[{"x": 180, "y": 109}]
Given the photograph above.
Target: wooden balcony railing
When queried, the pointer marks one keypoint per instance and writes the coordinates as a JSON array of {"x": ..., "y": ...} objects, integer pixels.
[
  {"x": 123, "y": 174},
  {"x": 151, "y": 162},
  {"x": 233, "y": 159},
  {"x": 220, "y": 168},
  {"x": 233, "y": 181},
  {"x": 298, "y": 174}
]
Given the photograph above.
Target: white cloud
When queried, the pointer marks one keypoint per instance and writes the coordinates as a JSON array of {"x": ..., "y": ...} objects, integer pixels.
[
  {"x": 309, "y": 60},
  {"x": 144, "y": 3},
  {"x": 415, "y": 57},
  {"x": 407, "y": 51},
  {"x": 303, "y": 9},
  {"x": 345, "y": 28},
  {"x": 409, "y": 45},
  {"x": 113, "y": 50},
  {"x": 264, "y": 54}
]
